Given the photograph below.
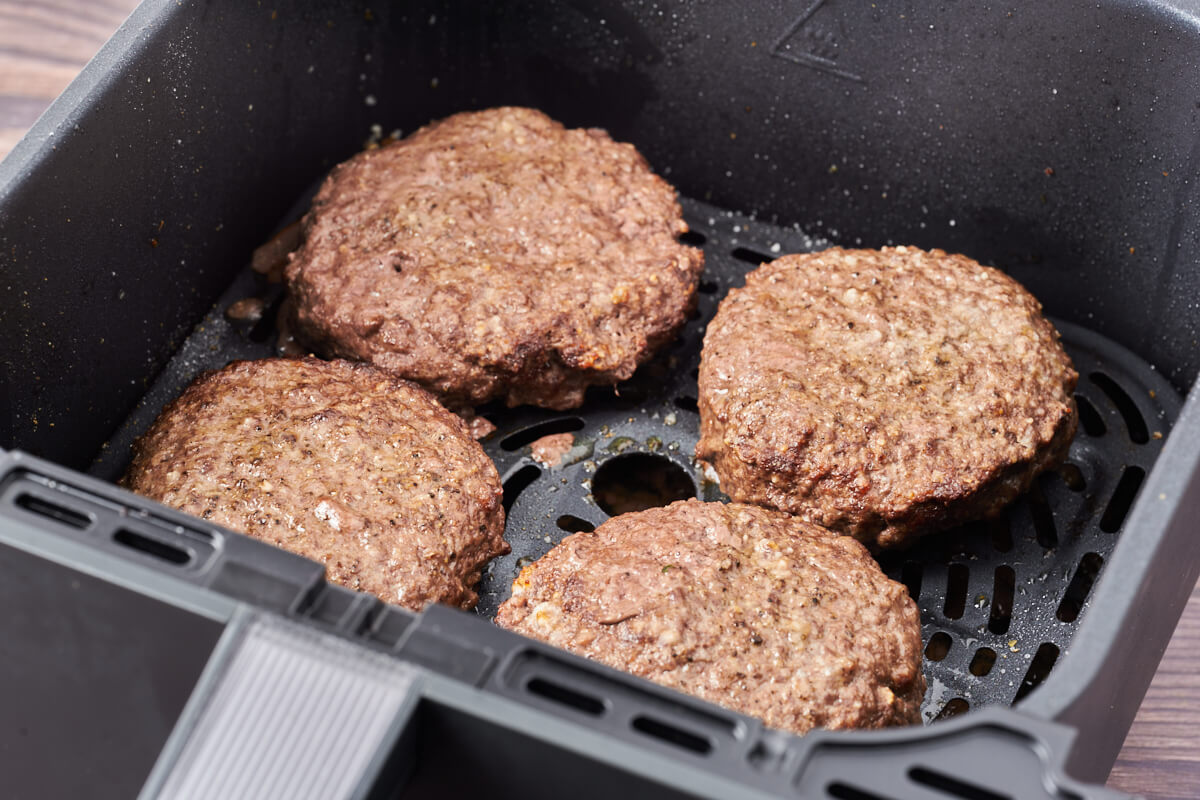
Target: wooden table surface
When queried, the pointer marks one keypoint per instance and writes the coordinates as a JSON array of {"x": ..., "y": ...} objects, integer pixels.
[{"x": 44, "y": 44}]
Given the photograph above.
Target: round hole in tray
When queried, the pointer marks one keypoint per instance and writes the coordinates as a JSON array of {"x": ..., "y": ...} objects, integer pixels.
[{"x": 639, "y": 481}]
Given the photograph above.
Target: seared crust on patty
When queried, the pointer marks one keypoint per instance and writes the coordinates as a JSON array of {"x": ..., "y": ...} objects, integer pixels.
[
  {"x": 336, "y": 461},
  {"x": 495, "y": 255},
  {"x": 883, "y": 393},
  {"x": 739, "y": 605}
]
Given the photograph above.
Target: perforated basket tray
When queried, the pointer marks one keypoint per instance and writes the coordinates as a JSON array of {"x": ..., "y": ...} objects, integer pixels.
[{"x": 999, "y": 600}]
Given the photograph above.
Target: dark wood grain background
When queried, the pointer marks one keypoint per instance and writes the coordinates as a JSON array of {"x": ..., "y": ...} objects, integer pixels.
[{"x": 44, "y": 44}]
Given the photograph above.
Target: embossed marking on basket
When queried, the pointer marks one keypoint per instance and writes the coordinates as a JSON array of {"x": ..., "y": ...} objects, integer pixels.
[{"x": 809, "y": 43}]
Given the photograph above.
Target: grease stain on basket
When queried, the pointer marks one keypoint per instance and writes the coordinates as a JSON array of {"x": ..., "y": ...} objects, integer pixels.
[
  {"x": 550, "y": 451},
  {"x": 248, "y": 309}
]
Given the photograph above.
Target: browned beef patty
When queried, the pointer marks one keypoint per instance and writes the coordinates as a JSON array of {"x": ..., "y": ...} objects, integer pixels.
[
  {"x": 882, "y": 393},
  {"x": 739, "y": 605},
  {"x": 495, "y": 255},
  {"x": 336, "y": 461}
]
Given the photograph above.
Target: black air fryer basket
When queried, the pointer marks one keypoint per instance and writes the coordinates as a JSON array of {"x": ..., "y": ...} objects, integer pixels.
[{"x": 155, "y": 653}]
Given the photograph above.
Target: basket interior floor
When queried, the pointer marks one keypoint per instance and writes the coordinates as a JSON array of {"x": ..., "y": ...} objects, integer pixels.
[{"x": 1000, "y": 600}]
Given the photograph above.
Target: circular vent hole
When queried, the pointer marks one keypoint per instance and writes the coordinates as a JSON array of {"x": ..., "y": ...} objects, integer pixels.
[{"x": 639, "y": 481}]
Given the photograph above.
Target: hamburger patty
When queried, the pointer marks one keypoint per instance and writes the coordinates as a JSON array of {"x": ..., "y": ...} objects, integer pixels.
[
  {"x": 495, "y": 255},
  {"x": 739, "y": 605},
  {"x": 883, "y": 394},
  {"x": 336, "y": 461}
]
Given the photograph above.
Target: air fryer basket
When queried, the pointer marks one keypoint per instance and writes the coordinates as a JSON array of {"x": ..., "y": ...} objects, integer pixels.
[{"x": 1065, "y": 154}]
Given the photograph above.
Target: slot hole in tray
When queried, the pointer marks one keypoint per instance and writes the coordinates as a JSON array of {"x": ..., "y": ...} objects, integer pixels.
[
  {"x": 565, "y": 696},
  {"x": 518, "y": 482},
  {"x": 750, "y": 256},
  {"x": 1039, "y": 669},
  {"x": 1080, "y": 587},
  {"x": 953, "y": 708},
  {"x": 152, "y": 547},
  {"x": 1001, "y": 530},
  {"x": 844, "y": 791},
  {"x": 672, "y": 735},
  {"x": 687, "y": 403},
  {"x": 953, "y": 786},
  {"x": 1043, "y": 518},
  {"x": 1089, "y": 418},
  {"x": 956, "y": 591},
  {"x": 1003, "y": 591},
  {"x": 573, "y": 524},
  {"x": 983, "y": 661},
  {"x": 267, "y": 328},
  {"x": 939, "y": 646},
  {"x": 910, "y": 575},
  {"x": 1122, "y": 499},
  {"x": 44, "y": 508},
  {"x": 1134, "y": 423},
  {"x": 1072, "y": 476}
]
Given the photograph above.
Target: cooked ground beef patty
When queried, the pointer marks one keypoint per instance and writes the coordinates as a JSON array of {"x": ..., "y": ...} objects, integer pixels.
[
  {"x": 336, "y": 461},
  {"x": 495, "y": 255},
  {"x": 739, "y": 605},
  {"x": 882, "y": 393}
]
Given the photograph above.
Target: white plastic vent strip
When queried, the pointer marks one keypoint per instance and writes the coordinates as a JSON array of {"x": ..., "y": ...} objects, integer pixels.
[{"x": 297, "y": 714}]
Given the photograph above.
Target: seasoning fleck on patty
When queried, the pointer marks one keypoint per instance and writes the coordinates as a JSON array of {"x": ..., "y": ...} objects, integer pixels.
[
  {"x": 883, "y": 393},
  {"x": 738, "y": 605},
  {"x": 339, "y": 462},
  {"x": 495, "y": 255}
]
